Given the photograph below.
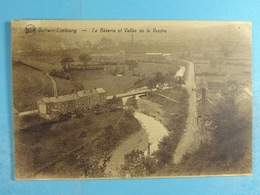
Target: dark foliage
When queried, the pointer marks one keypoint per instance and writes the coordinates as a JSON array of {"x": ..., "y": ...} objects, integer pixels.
[
  {"x": 84, "y": 58},
  {"x": 176, "y": 127},
  {"x": 60, "y": 74}
]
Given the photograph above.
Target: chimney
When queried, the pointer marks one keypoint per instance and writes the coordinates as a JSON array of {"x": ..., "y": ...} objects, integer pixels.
[{"x": 148, "y": 151}]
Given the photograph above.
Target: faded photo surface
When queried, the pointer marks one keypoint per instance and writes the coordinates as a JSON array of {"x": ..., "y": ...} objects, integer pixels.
[{"x": 131, "y": 99}]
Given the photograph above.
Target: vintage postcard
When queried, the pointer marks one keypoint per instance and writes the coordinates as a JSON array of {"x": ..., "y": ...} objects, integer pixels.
[{"x": 131, "y": 99}]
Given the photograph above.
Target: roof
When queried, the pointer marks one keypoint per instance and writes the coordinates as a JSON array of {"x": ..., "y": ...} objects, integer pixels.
[
  {"x": 61, "y": 98},
  {"x": 167, "y": 54},
  {"x": 73, "y": 96},
  {"x": 152, "y": 54}
]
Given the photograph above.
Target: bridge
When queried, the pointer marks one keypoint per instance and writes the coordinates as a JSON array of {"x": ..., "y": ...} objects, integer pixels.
[
  {"x": 132, "y": 93},
  {"x": 29, "y": 112}
]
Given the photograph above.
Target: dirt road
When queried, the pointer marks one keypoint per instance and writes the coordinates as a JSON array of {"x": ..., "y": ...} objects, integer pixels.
[
  {"x": 54, "y": 85},
  {"x": 185, "y": 145}
]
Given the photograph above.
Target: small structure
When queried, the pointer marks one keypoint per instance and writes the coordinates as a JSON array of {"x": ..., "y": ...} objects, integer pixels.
[
  {"x": 167, "y": 56},
  {"x": 153, "y": 56},
  {"x": 180, "y": 73},
  {"x": 52, "y": 107}
]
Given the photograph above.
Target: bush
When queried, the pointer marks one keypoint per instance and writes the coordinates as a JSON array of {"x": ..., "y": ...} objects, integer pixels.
[
  {"x": 60, "y": 74},
  {"x": 132, "y": 102}
]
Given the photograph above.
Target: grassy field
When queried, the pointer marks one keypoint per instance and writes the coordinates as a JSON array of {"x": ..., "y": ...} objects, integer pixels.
[
  {"x": 45, "y": 66},
  {"x": 170, "y": 106},
  {"x": 225, "y": 69},
  {"x": 150, "y": 68},
  {"x": 64, "y": 86},
  {"x": 44, "y": 60},
  {"x": 112, "y": 84},
  {"x": 116, "y": 84},
  {"x": 48, "y": 61},
  {"x": 29, "y": 85}
]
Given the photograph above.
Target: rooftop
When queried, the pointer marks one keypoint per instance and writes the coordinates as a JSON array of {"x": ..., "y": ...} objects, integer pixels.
[
  {"x": 73, "y": 96},
  {"x": 61, "y": 98},
  {"x": 153, "y": 54}
]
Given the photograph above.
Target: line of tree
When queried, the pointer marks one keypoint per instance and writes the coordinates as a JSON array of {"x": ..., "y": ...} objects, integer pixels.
[{"x": 66, "y": 62}]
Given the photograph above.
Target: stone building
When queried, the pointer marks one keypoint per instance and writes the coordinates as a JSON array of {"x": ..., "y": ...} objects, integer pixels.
[{"x": 52, "y": 107}]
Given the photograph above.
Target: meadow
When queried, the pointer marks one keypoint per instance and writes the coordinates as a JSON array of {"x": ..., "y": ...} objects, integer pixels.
[{"x": 29, "y": 85}]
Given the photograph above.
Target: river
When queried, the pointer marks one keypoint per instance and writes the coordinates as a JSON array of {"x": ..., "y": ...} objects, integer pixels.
[
  {"x": 155, "y": 129},
  {"x": 152, "y": 131}
]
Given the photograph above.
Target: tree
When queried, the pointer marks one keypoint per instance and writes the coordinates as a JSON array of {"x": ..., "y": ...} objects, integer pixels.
[
  {"x": 134, "y": 164},
  {"x": 158, "y": 78},
  {"x": 138, "y": 165},
  {"x": 66, "y": 62},
  {"x": 165, "y": 152},
  {"x": 131, "y": 64},
  {"x": 93, "y": 166},
  {"x": 170, "y": 79},
  {"x": 84, "y": 58},
  {"x": 233, "y": 129}
]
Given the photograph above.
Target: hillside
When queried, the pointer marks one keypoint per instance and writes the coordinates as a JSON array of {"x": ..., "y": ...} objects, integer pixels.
[{"x": 29, "y": 85}]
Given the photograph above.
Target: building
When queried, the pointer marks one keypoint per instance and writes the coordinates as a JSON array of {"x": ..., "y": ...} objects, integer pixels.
[
  {"x": 52, "y": 107},
  {"x": 180, "y": 73},
  {"x": 153, "y": 56}
]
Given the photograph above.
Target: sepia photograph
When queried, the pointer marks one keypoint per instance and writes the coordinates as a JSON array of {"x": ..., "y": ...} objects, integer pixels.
[{"x": 115, "y": 99}]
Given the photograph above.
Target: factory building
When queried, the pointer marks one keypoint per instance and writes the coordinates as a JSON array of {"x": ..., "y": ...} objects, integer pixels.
[{"x": 52, "y": 107}]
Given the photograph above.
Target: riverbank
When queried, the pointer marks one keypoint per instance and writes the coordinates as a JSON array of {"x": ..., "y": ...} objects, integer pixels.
[
  {"x": 136, "y": 141},
  {"x": 152, "y": 109},
  {"x": 149, "y": 114}
]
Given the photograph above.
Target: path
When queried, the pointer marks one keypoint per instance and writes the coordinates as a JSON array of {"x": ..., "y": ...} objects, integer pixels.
[
  {"x": 185, "y": 144},
  {"x": 55, "y": 91}
]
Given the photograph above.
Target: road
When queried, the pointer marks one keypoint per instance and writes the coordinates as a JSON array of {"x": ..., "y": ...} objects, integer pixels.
[
  {"x": 29, "y": 112},
  {"x": 185, "y": 144},
  {"x": 54, "y": 85}
]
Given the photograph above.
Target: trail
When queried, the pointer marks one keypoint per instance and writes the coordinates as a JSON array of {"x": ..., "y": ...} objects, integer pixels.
[
  {"x": 186, "y": 143},
  {"x": 54, "y": 85}
]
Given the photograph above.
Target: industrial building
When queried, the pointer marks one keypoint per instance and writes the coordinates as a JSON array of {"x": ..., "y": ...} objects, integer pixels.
[
  {"x": 52, "y": 107},
  {"x": 157, "y": 57}
]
